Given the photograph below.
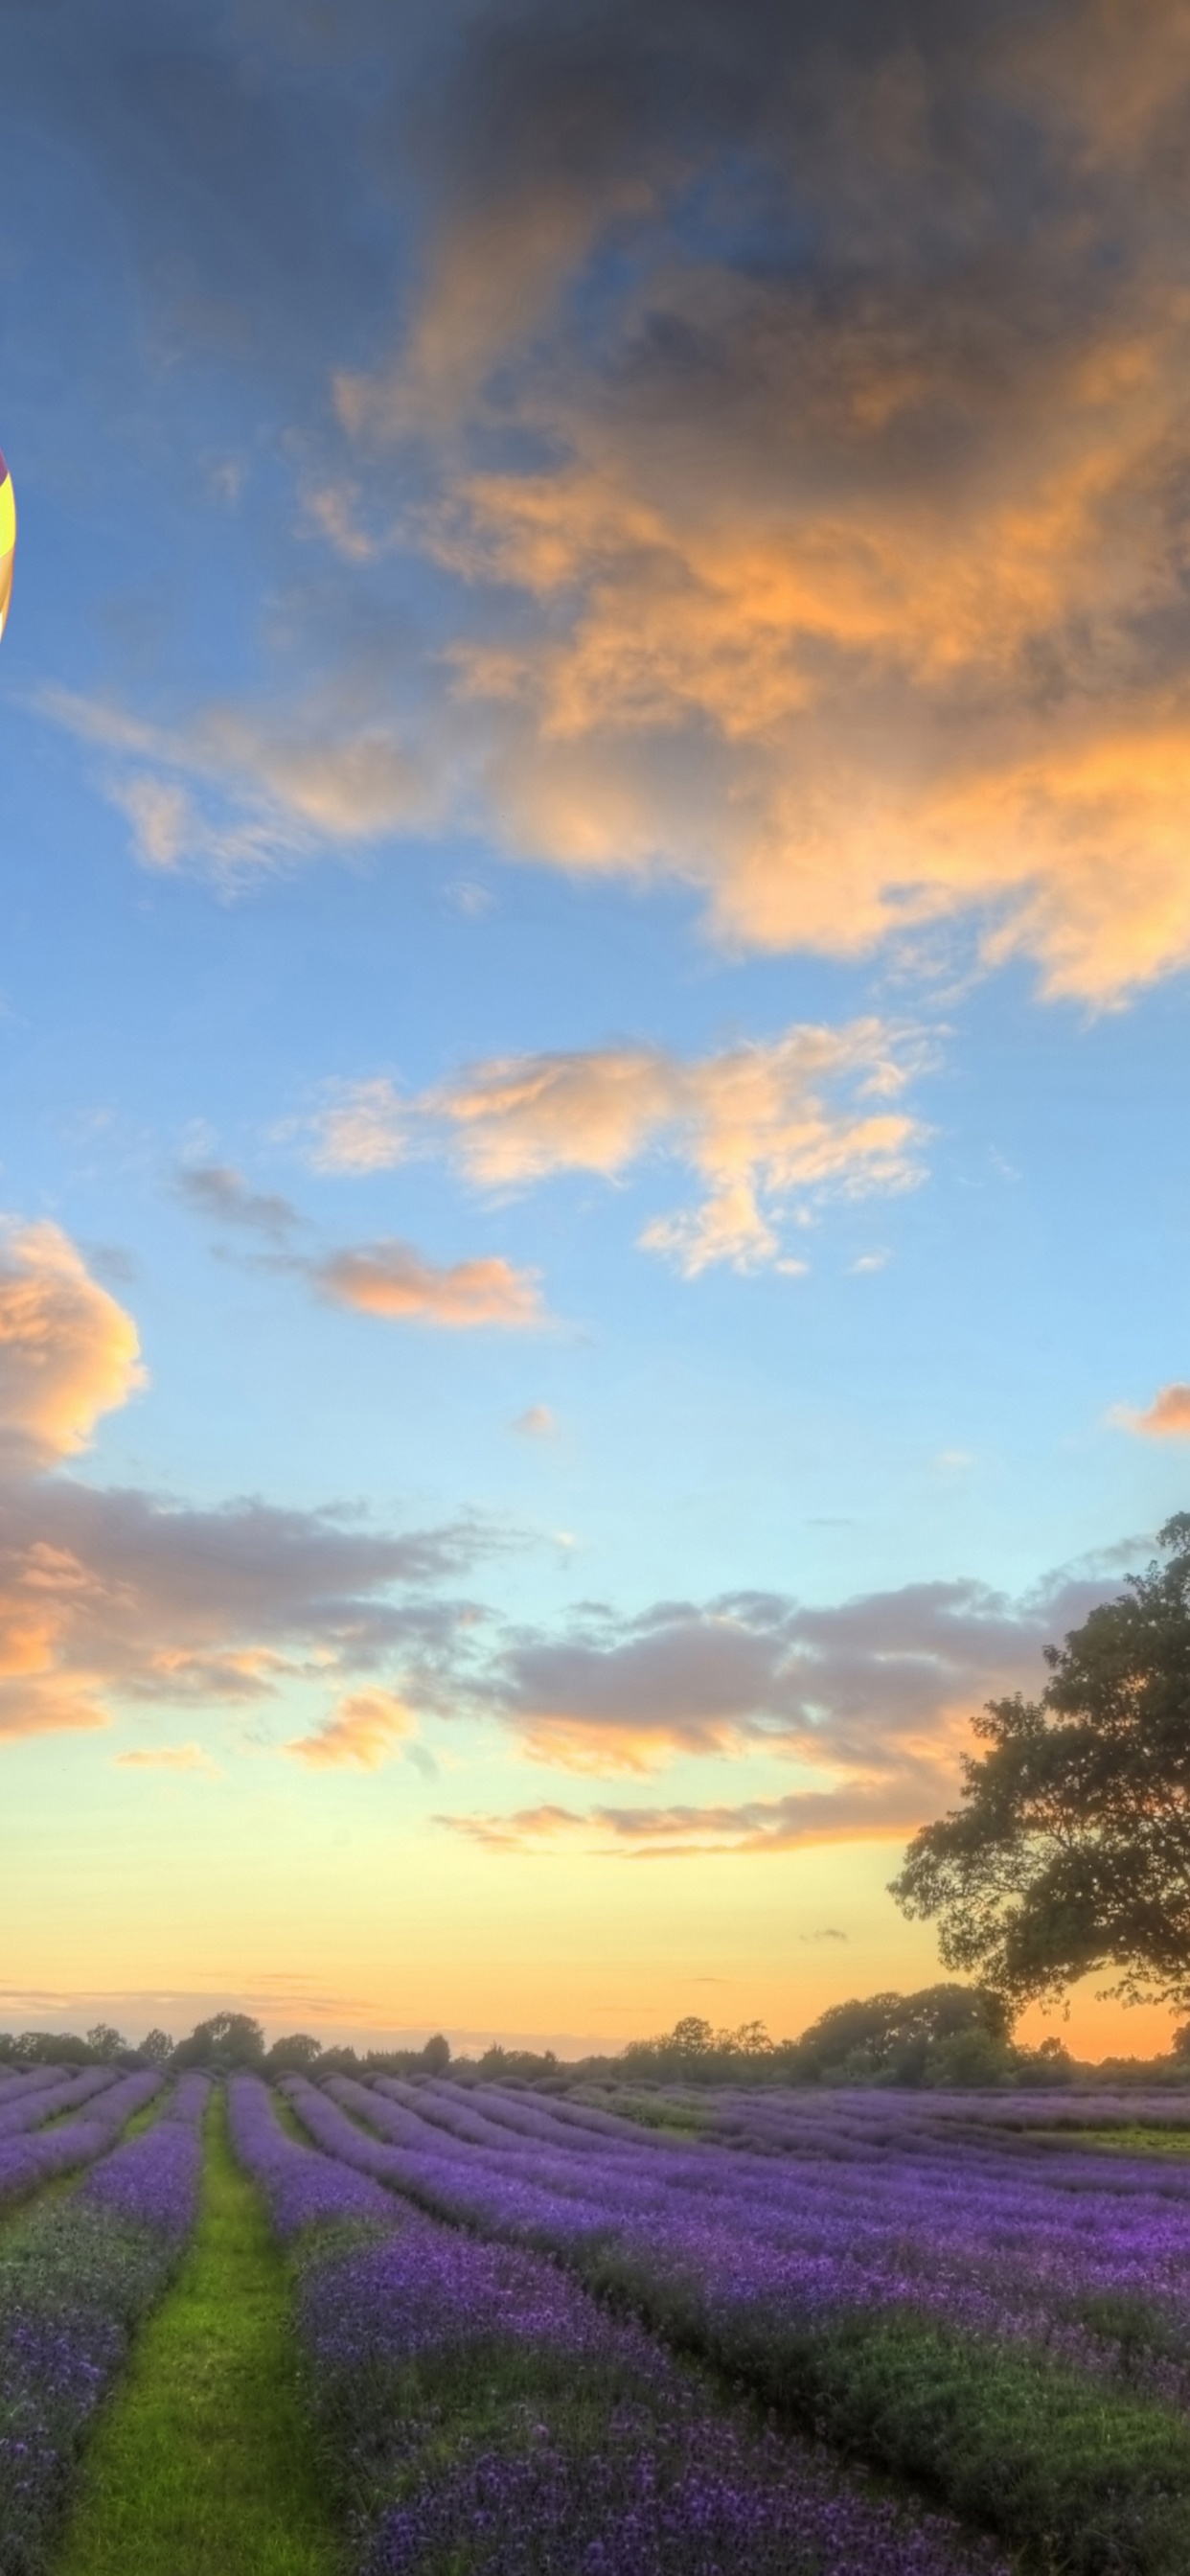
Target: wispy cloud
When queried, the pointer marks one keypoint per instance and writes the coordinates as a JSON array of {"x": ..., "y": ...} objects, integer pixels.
[
  {"x": 392, "y": 1281},
  {"x": 537, "y": 1422},
  {"x": 389, "y": 1279},
  {"x": 168, "y": 1757},
  {"x": 763, "y": 1126},
  {"x": 240, "y": 794},
  {"x": 1166, "y": 1418},
  {"x": 361, "y": 1127},
  {"x": 216, "y": 1191},
  {"x": 111, "y": 1596},
  {"x": 368, "y": 1727},
  {"x": 856, "y": 1813}
]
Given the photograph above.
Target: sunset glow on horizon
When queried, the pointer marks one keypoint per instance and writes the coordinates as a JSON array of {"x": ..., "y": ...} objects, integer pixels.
[{"x": 594, "y": 770}]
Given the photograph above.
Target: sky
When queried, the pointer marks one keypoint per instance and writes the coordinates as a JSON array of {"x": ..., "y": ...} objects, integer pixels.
[{"x": 594, "y": 747}]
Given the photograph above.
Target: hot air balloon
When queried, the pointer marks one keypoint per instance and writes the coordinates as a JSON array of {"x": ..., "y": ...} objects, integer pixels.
[{"x": 8, "y": 539}]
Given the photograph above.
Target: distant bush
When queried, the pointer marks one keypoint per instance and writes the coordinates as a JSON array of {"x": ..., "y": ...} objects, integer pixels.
[
  {"x": 226, "y": 2041},
  {"x": 943, "y": 2035}
]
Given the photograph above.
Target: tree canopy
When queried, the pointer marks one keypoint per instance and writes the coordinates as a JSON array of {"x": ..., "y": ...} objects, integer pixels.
[
  {"x": 228, "y": 2039},
  {"x": 1071, "y": 1850},
  {"x": 942, "y": 2034}
]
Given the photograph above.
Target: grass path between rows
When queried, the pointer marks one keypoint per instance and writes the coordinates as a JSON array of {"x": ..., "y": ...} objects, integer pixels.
[{"x": 201, "y": 2464}]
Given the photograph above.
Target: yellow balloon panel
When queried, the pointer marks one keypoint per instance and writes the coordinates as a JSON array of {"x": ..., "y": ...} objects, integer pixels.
[{"x": 8, "y": 538}]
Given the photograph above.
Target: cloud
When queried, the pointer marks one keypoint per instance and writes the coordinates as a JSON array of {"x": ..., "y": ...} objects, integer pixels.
[
  {"x": 814, "y": 1112},
  {"x": 68, "y": 1351},
  {"x": 362, "y": 1128},
  {"x": 529, "y": 1829},
  {"x": 1166, "y": 1418},
  {"x": 772, "y": 484},
  {"x": 537, "y": 1422},
  {"x": 388, "y": 1278},
  {"x": 755, "y": 1825},
  {"x": 38, "y": 1702},
  {"x": 853, "y": 592},
  {"x": 239, "y": 794},
  {"x": 112, "y": 1596},
  {"x": 215, "y": 1191},
  {"x": 874, "y": 1694},
  {"x": 391, "y": 1280},
  {"x": 367, "y": 1728},
  {"x": 168, "y": 1757},
  {"x": 108, "y": 1594}
]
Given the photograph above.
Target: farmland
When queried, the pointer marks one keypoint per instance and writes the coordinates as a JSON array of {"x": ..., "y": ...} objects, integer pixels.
[{"x": 413, "y": 2327}]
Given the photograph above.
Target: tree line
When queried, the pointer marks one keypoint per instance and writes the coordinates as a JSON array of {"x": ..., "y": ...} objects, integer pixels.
[
  {"x": 1069, "y": 1854},
  {"x": 944, "y": 2035}
]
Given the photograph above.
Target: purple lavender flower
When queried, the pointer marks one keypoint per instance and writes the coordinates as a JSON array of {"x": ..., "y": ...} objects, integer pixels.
[
  {"x": 45, "y": 2101},
  {"x": 603, "y": 2456},
  {"x": 611, "y": 2460},
  {"x": 1001, "y": 2267},
  {"x": 39, "y": 2156},
  {"x": 74, "y": 2280},
  {"x": 879, "y": 2208},
  {"x": 303, "y": 2189}
]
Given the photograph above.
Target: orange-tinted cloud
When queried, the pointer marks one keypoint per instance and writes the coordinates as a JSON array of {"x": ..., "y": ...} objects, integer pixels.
[
  {"x": 40, "y": 1702},
  {"x": 367, "y": 1728},
  {"x": 110, "y": 1595},
  {"x": 873, "y": 1694},
  {"x": 812, "y": 1112},
  {"x": 528, "y": 1829},
  {"x": 239, "y": 794},
  {"x": 391, "y": 1280},
  {"x": 537, "y": 1422},
  {"x": 871, "y": 1699},
  {"x": 167, "y": 1757},
  {"x": 859, "y": 574},
  {"x": 834, "y": 564},
  {"x": 1167, "y": 1417},
  {"x": 68, "y": 1351},
  {"x": 858, "y": 1812},
  {"x": 853, "y": 592}
]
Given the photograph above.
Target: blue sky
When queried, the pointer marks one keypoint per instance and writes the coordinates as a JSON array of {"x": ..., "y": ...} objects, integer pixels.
[{"x": 592, "y": 762}]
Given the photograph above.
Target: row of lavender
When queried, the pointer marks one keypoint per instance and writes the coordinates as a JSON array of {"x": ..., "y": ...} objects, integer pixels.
[
  {"x": 75, "y": 2277},
  {"x": 790, "y": 2119},
  {"x": 977, "y": 2231},
  {"x": 43, "y": 2096},
  {"x": 39, "y": 2144},
  {"x": 1016, "y": 2334},
  {"x": 483, "y": 2415}
]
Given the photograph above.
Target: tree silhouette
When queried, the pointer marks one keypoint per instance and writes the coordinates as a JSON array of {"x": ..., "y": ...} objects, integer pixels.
[{"x": 1071, "y": 1851}]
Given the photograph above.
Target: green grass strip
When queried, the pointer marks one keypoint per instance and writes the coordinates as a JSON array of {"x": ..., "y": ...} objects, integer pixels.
[
  {"x": 1134, "y": 2142},
  {"x": 202, "y": 2462}
]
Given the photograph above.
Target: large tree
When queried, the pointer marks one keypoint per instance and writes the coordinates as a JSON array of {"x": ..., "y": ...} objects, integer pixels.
[{"x": 1071, "y": 1850}]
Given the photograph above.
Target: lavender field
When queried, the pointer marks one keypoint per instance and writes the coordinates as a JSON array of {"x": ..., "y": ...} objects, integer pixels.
[{"x": 532, "y": 2332}]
